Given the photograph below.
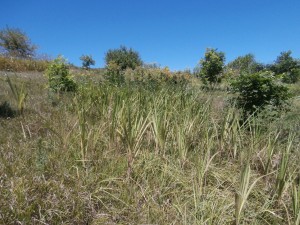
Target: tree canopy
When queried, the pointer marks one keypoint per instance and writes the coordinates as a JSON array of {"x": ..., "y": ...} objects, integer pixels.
[
  {"x": 245, "y": 64},
  {"x": 87, "y": 61},
  {"x": 123, "y": 57},
  {"x": 212, "y": 65},
  {"x": 16, "y": 43},
  {"x": 286, "y": 66}
]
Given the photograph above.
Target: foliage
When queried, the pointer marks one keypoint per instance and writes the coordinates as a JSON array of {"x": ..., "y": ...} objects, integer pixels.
[
  {"x": 245, "y": 64},
  {"x": 286, "y": 66},
  {"x": 212, "y": 66},
  {"x": 58, "y": 76},
  {"x": 87, "y": 61},
  {"x": 256, "y": 91},
  {"x": 292, "y": 76},
  {"x": 16, "y": 43},
  {"x": 123, "y": 57},
  {"x": 114, "y": 75}
]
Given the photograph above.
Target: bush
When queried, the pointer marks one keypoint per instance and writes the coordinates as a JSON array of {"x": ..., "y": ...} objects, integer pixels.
[
  {"x": 114, "y": 75},
  {"x": 258, "y": 90},
  {"x": 58, "y": 76},
  {"x": 292, "y": 76},
  {"x": 123, "y": 57}
]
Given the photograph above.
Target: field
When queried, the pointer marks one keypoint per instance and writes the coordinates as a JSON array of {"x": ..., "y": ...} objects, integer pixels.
[{"x": 142, "y": 154}]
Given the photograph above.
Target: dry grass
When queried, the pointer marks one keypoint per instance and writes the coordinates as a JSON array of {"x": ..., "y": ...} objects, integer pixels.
[{"x": 22, "y": 65}]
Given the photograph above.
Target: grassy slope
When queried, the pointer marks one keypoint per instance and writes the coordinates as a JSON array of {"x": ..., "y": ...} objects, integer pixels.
[{"x": 131, "y": 156}]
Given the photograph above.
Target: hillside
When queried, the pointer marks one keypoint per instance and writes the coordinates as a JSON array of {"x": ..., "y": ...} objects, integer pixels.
[{"x": 139, "y": 154}]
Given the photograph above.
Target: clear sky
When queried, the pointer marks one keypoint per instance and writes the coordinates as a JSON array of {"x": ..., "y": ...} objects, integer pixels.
[{"x": 173, "y": 33}]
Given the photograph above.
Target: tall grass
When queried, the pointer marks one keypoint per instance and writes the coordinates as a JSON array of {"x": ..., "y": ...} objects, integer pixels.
[
  {"x": 19, "y": 94},
  {"x": 132, "y": 154},
  {"x": 21, "y": 65}
]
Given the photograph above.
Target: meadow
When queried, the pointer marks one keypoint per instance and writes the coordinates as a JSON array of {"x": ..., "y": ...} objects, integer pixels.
[{"x": 143, "y": 153}]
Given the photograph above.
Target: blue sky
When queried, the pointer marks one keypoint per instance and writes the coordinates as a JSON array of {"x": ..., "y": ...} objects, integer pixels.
[{"x": 172, "y": 33}]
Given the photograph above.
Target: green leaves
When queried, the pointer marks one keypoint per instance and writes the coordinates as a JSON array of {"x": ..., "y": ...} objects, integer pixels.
[
  {"x": 212, "y": 66},
  {"x": 255, "y": 91},
  {"x": 123, "y": 57},
  {"x": 58, "y": 76},
  {"x": 287, "y": 67}
]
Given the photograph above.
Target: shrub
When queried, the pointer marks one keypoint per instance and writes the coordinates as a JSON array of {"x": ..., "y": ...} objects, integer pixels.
[
  {"x": 58, "y": 76},
  {"x": 292, "y": 76},
  {"x": 87, "y": 61},
  {"x": 212, "y": 66},
  {"x": 123, "y": 57},
  {"x": 258, "y": 90},
  {"x": 113, "y": 74}
]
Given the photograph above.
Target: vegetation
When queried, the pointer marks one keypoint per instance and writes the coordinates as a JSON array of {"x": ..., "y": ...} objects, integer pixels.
[
  {"x": 212, "y": 66},
  {"x": 287, "y": 67},
  {"x": 138, "y": 144},
  {"x": 58, "y": 75},
  {"x": 22, "y": 65},
  {"x": 15, "y": 42},
  {"x": 245, "y": 65},
  {"x": 127, "y": 154},
  {"x": 87, "y": 61},
  {"x": 256, "y": 91},
  {"x": 123, "y": 57}
]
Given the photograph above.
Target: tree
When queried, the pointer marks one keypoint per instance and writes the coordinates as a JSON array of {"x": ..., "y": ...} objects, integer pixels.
[
  {"x": 123, "y": 57},
  {"x": 15, "y": 42},
  {"x": 212, "y": 66},
  {"x": 245, "y": 64},
  {"x": 87, "y": 61},
  {"x": 286, "y": 66}
]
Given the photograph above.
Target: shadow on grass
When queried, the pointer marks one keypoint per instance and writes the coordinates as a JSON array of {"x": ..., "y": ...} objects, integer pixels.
[{"x": 6, "y": 110}]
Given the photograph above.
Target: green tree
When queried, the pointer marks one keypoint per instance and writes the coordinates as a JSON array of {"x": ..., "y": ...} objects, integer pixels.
[
  {"x": 245, "y": 64},
  {"x": 286, "y": 66},
  {"x": 15, "y": 42},
  {"x": 212, "y": 66},
  {"x": 123, "y": 57},
  {"x": 87, "y": 61},
  {"x": 256, "y": 91}
]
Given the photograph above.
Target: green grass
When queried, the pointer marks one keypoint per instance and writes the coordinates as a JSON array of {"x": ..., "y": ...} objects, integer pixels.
[{"x": 136, "y": 155}]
